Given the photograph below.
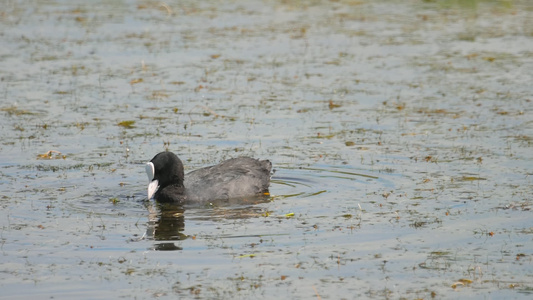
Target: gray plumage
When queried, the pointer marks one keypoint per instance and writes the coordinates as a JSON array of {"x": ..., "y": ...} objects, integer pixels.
[{"x": 233, "y": 178}]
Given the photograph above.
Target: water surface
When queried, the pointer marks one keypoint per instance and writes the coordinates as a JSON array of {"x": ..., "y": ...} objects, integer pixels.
[{"x": 401, "y": 134}]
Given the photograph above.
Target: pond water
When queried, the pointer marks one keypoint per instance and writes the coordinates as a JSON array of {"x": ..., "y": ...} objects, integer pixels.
[{"x": 401, "y": 133}]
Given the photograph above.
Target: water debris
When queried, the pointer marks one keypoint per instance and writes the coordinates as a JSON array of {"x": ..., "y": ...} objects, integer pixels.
[
  {"x": 520, "y": 255},
  {"x": 167, "y": 8},
  {"x": 159, "y": 95},
  {"x": 462, "y": 282},
  {"x": 247, "y": 255},
  {"x": 129, "y": 271},
  {"x": 127, "y": 124},
  {"x": 471, "y": 178},
  {"x": 430, "y": 158},
  {"x": 524, "y": 206},
  {"x": 400, "y": 106},
  {"x": 324, "y": 136},
  {"x": 199, "y": 87},
  {"x": 50, "y": 155},
  {"x": 13, "y": 110},
  {"x": 333, "y": 105},
  {"x": 419, "y": 224},
  {"x": 207, "y": 112},
  {"x": 316, "y": 292},
  {"x": 266, "y": 213},
  {"x": 62, "y": 92},
  {"x": 452, "y": 141},
  {"x": 135, "y": 81},
  {"x": 303, "y": 110},
  {"x": 318, "y": 193}
]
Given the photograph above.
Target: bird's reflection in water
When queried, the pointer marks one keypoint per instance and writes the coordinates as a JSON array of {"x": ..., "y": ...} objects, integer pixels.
[
  {"x": 167, "y": 220},
  {"x": 166, "y": 224}
]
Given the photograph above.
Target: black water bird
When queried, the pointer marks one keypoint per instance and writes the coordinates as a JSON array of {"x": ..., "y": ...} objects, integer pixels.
[{"x": 234, "y": 178}]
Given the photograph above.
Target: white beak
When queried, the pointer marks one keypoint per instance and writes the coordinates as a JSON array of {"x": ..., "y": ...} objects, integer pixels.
[
  {"x": 152, "y": 188},
  {"x": 154, "y": 184},
  {"x": 150, "y": 170}
]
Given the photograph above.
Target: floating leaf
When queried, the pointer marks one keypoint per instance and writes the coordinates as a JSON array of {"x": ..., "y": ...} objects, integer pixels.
[
  {"x": 50, "y": 155},
  {"x": 454, "y": 286},
  {"x": 135, "y": 81},
  {"x": 472, "y": 178},
  {"x": 465, "y": 281},
  {"x": 323, "y": 136},
  {"x": 126, "y": 124},
  {"x": 246, "y": 255},
  {"x": 62, "y": 92}
]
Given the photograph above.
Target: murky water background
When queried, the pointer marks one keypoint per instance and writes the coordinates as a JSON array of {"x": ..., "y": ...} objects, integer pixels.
[{"x": 401, "y": 134}]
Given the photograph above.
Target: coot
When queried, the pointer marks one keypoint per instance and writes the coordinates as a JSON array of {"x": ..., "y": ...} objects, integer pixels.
[{"x": 233, "y": 178}]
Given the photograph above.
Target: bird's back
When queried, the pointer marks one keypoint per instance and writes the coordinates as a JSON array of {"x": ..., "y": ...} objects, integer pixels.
[{"x": 233, "y": 178}]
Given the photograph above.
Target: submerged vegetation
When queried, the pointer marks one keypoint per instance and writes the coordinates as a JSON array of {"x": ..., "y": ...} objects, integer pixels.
[{"x": 400, "y": 135}]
